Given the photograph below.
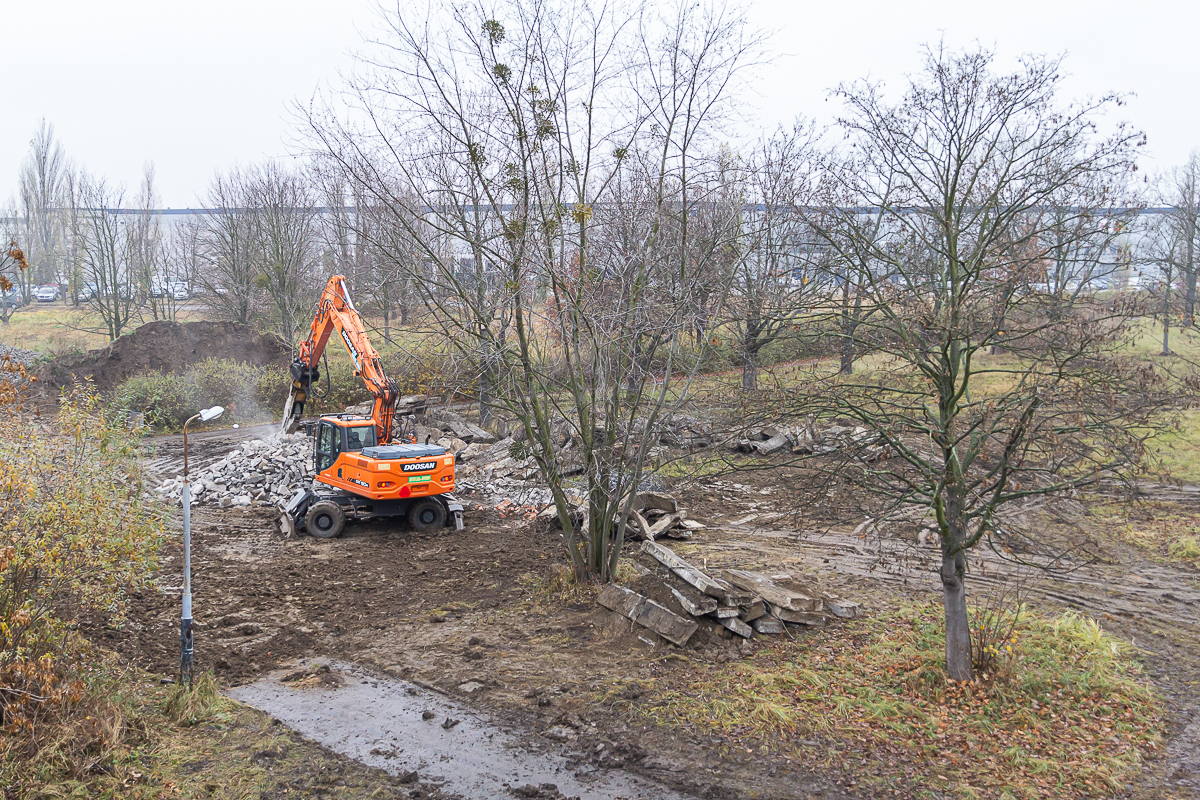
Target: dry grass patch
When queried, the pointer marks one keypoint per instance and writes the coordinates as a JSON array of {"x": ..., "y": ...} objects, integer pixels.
[
  {"x": 1067, "y": 714},
  {"x": 1167, "y": 532}
]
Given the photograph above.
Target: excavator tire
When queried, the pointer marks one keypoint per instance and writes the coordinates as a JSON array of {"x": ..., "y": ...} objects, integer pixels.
[
  {"x": 325, "y": 519},
  {"x": 426, "y": 515}
]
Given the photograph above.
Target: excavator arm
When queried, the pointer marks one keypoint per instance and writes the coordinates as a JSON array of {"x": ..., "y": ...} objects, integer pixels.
[{"x": 336, "y": 312}]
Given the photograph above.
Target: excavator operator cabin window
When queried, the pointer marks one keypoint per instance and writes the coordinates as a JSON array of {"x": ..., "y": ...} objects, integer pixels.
[
  {"x": 328, "y": 441},
  {"x": 359, "y": 437}
]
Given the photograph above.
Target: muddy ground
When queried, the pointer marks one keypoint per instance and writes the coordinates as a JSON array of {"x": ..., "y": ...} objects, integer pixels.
[{"x": 449, "y": 609}]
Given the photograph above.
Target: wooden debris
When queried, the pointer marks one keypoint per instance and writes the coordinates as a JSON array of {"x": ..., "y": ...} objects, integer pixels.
[
  {"x": 774, "y": 593},
  {"x": 767, "y": 625},
  {"x": 725, "y": 612},
  {"x": 684, "y": 570},
  {"x": 647, "y": 613},
  {"x": 737, "y": 626},
  {"x": 695, "y": 603},
  {"x": 692, "y": 525}
]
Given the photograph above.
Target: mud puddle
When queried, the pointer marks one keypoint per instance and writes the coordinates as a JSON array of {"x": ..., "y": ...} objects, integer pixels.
[{"x": 401, "y": 728}]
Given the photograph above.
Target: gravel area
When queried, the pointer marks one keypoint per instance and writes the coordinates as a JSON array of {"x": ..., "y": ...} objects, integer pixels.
[{"x": 17, "y": 354}]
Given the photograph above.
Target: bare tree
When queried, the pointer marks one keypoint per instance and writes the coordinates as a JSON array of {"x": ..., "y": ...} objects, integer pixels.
[
  {"x": 778, "y": 267},
  {"x": 183, "y": 253},
  {"x": 12, "y": 264},
  {"x": 558, "y": 154},
  {"x": 982, "y": 182},
  {"x": 41, "y": 179},
  {"x": 108, "y": 245},
  {"x": 229, "y": 276},
  {"x": 285, "y": 253},
  {"x": 1185, "y": 201},
  {"x": 146, "y": 254}
]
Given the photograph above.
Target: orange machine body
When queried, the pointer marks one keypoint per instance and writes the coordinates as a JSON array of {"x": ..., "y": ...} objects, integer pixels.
[{"x": 347, "y": 458}]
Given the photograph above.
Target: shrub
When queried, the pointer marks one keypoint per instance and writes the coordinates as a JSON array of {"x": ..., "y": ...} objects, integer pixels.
[
  {"x": 168, "y": 399},
  {"x": 74, "y": 527}
]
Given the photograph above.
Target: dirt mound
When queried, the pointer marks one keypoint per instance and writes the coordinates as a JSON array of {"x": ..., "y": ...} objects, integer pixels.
[{"x": 166, "y": 346}]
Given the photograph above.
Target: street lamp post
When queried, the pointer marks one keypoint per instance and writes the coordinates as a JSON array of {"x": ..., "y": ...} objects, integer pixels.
[{"x": 185, "y": 621}]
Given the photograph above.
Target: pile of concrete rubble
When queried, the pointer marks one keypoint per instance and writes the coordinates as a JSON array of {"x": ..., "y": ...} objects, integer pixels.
[
  {"x": 807, "y": 440},
  {"x": 18, "y": 355},
  {"x": 263, "y": 471},
  {"x": 741, "y": 602}
]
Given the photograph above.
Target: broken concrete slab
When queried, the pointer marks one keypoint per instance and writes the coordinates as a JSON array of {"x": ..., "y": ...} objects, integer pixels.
[
  {"x": 777, "y": 593},
  {"x": 736, "y": 626},
  {"x": 798, "y": 617},
  {"x": 647, "y": 613},
  {"x": 661, "y": 526},
  {"x": 769, "y": 626},
  {"x": 748, "y": 612},
  {"x": 844, "y": 609},
  {"x": 689, "y": 574},
  {"x": 655, "y": 500},
  {"x": 694, "y": 603}
]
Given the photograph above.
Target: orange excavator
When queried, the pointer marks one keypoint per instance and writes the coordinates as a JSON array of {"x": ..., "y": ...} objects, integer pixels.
[{"x": 369, "y": 473}]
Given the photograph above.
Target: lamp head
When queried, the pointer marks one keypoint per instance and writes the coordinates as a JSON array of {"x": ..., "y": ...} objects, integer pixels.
[{"x": 209, "y": 414}]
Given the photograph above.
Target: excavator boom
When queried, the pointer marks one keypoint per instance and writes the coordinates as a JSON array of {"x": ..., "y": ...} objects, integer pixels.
[{"x": 336, "y": 312}]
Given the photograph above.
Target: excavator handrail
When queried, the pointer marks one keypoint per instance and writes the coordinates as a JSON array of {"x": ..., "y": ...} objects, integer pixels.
[{"x": 336, "y": 311}]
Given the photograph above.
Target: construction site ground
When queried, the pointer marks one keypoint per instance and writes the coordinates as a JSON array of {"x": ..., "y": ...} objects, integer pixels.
[{"x": 472, "y": 608}]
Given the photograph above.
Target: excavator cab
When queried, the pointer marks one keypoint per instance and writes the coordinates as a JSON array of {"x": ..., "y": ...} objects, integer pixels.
[{"x": 339, "y": 435}]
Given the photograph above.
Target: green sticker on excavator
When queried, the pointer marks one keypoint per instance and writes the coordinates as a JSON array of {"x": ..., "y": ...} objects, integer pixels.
[{"x": 420, "y": 479}]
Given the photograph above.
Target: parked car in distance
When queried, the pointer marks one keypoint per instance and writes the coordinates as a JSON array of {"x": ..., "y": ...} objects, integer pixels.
[
  {"x": 12, "y": 299},
  {"x": 47, "y": 293},
  {"x": 179, "y": 290},
  {"x": 86, "y": 292}
]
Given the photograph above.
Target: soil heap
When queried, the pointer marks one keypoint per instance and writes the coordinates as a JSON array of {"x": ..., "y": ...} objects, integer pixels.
[{"x": 165, "y": 346}]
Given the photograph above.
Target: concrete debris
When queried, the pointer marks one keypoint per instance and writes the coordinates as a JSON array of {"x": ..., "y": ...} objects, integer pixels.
[
  {"x": 744, "y": 603},
  {"x": 647, "y": 613},
  {"x": 18, "y": 355},
  {"x": 806, "y": 440},
  {"x": 260, "y": 471}
]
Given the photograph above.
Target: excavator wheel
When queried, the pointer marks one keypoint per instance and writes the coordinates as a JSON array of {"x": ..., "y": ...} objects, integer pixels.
[
  {"x": 325, "y": 519},
  {"x": 426, "y": 515}
]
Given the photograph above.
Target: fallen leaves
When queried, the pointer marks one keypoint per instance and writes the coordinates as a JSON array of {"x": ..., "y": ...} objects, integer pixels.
[{"x": 1070, "y": 712}]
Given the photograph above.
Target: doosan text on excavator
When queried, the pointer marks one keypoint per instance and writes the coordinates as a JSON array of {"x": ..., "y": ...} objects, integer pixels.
[{"x": 368, "y": 471}]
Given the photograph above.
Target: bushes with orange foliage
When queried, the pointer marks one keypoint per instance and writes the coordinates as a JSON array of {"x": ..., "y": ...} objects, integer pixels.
[{"x": 75, "y": 531}]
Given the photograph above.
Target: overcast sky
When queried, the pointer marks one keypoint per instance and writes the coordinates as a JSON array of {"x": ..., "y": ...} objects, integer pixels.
[{"x": 199, "y": 87}]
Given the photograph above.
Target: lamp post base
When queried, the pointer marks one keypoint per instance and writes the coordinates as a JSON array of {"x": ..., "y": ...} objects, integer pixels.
[{"x": 185, "y": 651}]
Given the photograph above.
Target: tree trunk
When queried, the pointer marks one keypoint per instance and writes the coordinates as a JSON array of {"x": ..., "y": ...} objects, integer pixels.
[
  {"x": 958, "y": 630},
  {"x": 749, "y": 369},
  {"x": 387, "y": 323},
  {"x": 1189, "y": 266},
  {"x": 1165, "y": 314}
]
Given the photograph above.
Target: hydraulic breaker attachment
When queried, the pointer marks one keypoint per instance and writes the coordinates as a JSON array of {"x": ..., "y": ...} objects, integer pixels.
[
  {"x": 303, "y": 377},
  {"x": 292, "y": 519}
]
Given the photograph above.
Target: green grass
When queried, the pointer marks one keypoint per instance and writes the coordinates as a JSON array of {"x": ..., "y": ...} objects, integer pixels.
[{"x": 1068, "y": 714}]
